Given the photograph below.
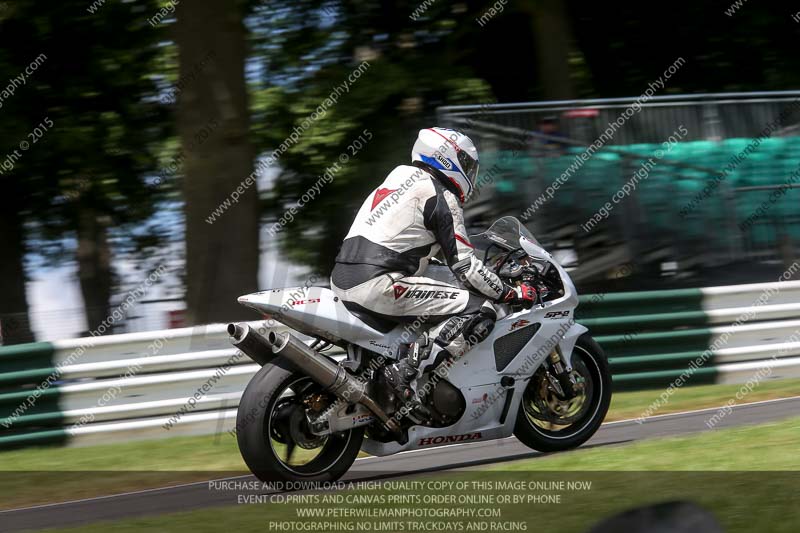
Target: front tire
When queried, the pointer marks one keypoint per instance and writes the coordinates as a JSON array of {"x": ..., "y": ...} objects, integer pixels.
[
  {"x": 272, "y": 434},
  {"x": 544, "y": 423}
]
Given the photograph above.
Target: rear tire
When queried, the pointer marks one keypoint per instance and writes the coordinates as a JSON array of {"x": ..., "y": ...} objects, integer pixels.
[
  {"x": 589, "y": 354},
  {"x": 255, "y": 423}
]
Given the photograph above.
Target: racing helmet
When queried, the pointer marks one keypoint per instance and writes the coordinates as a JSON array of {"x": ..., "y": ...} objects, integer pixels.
[{"x": 452, "y": 153}]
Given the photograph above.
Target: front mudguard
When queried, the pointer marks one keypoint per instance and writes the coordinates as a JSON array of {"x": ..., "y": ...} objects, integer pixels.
[{"x": 567, "y": 342}]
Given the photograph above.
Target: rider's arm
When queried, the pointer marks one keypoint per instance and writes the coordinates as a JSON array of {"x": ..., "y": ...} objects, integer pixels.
[{"x": 445, "y": 218}]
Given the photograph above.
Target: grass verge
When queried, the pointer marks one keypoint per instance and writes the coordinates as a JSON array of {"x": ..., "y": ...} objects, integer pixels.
[
  {"x": 627, "y": 405},
  {"x": 618, "y": 478},
  {"x": 145, "y": 464}
]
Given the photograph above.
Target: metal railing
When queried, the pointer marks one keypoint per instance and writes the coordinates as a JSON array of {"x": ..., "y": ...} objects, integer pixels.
[
  {"x": 645, "y": 229},
  {"x": 188, "y": 381},
  {"x": 712, "y": 116}
]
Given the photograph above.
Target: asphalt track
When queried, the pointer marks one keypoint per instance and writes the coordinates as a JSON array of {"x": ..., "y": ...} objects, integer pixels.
[{"x": 197, "y": 495}]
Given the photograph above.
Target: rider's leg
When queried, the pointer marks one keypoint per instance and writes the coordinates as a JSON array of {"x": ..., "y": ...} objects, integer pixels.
[
  {"x": 437, "y": 349},
  {"x": 405, "y": 298},
  {"x": 456, "y": 335},
  {"x": 455, "y": 310}
]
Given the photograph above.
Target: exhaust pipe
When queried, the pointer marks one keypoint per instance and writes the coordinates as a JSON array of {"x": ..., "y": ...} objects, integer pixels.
[
  {"x": 319, "y": 368},
  {"x": 328, "y": 374},
  {"x": 251, "y": 343}
]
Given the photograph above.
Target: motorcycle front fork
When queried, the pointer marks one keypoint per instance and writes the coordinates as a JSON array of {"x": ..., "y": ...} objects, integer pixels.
[{"x": 561, "y": 380}]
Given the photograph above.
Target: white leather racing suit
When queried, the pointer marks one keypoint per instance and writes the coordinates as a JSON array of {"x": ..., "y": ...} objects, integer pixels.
[{"x": 405, "y": 221}]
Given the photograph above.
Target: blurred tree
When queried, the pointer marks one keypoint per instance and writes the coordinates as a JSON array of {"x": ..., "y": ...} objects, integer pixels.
[
  {"x": 222, "y": 241},
  {"x": 554, "y": 47},
  {"x": 526, "y": 51},
  {"x": 90, "y": 115},
  {"x": 390, "y": 73},
  {"x": 451, "y": 52},
  {"x": 628, "y": 46},
  {"x": 14, "y": 321},
  {"x": 87, "y": 179}
]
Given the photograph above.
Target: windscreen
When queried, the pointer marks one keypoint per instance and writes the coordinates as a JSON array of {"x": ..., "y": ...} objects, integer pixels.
[{"x": 502, "y": 236}]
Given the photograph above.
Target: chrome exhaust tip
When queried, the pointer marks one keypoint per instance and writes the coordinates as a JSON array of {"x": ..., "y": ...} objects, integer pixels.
[
  {"x": 251, "y": 343},
  {"x": 236, "y": 331}
]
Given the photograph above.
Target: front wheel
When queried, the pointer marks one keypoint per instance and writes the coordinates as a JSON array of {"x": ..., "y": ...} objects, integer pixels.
[
  {"x": 273, "y": 434},
  {"x": 548, "y": 423}
]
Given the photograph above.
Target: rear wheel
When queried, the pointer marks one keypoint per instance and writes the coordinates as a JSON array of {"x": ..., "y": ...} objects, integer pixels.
[
  {"x": 273, "y": 434},
  {"x": 548, "y": 423}
]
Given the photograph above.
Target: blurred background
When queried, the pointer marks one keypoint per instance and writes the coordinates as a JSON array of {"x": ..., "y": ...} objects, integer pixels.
[{"x": 158, "y": 159}]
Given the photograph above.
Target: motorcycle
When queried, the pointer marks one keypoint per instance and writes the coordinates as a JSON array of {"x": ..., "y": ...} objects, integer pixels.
[{"x": 538, "y": 374}]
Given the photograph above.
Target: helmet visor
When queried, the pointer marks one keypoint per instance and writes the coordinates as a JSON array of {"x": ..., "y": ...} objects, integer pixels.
[{"x": 469, "y": 164}]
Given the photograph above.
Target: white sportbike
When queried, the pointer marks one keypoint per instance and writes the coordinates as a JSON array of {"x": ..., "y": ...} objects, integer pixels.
[{"x": 306, "y": 415}]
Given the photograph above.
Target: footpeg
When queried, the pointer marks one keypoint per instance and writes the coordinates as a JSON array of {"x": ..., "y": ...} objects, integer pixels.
[{"x": 414, "y": 410}]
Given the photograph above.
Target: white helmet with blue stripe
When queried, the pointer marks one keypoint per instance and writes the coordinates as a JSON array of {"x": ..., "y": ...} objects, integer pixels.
[{"x": 452, "y": 153}]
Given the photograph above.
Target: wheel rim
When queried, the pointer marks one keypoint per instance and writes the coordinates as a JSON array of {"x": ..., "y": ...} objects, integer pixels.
[
  {"x": 558, "y": 419},
  {"x": 286, "y": 433}
]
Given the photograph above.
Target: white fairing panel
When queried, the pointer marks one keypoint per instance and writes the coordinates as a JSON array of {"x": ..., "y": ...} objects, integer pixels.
[
  {"x": 489, "y": 414},
  {"x": 478, "y": 374},
  {"x": 317, "y": 311},
  {"x": 310, "y": 310}
]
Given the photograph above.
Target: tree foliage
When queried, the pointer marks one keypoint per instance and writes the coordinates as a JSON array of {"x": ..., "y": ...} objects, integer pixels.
[{"x": 91, "y": 116}]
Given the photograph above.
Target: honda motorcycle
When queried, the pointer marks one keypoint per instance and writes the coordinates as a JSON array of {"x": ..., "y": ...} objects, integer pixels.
[{"x": 306, "y": 415}]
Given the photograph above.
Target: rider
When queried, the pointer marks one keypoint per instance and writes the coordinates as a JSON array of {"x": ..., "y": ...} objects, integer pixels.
[{"x": 414, "y": 214}]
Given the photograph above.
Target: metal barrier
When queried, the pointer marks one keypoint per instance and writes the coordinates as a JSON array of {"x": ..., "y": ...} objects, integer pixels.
[
  {"x": 188, "y": 381},
  {"x": 695, "y": 209},
  {"x": 640, "y": 230},
  {"x": 112, "y": 388},
  {"x": 712, "y": 116},
  {"x": 657, "y": 339}
]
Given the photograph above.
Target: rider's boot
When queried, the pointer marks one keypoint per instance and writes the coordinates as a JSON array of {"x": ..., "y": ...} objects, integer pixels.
[
  {"x": 453, "y": 338},
  {"x": 402, "y": 373},
  {"x": 456, "y": 337}
]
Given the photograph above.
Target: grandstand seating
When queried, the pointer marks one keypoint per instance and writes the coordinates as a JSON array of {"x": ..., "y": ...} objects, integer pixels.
[{"x": 658, "y": 200}]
